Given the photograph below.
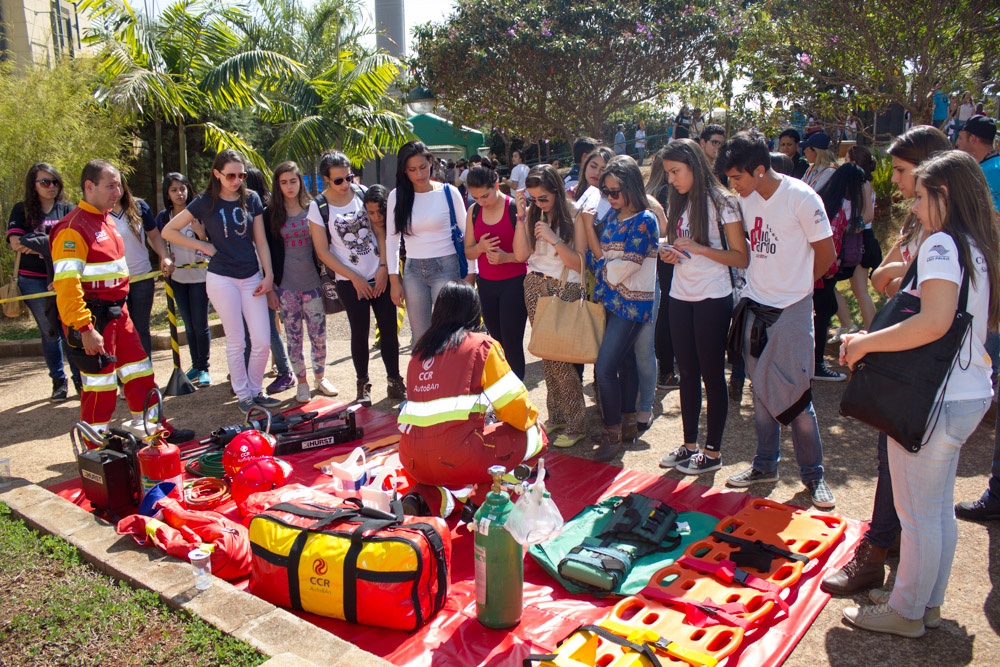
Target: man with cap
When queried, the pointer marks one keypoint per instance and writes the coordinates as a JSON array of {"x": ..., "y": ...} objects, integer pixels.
[{"x": 976, "y": 138}]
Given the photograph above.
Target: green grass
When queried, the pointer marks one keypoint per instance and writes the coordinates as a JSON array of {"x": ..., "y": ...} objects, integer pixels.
[{"x": 56, "y": 610}]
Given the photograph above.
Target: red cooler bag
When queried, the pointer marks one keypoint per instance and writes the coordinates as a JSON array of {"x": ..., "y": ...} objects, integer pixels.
[{"x": 353, "y": 563}]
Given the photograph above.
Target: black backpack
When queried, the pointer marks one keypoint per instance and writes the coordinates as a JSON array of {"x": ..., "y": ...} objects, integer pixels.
[
  {"x": 511, "y": 212},
  {"x": 324, "y": 208}
]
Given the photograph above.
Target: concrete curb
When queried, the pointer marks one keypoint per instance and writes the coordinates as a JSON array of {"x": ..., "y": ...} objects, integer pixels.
[
  {"x": 286, "y": 638},
  {"x": 160, "y": 340}
]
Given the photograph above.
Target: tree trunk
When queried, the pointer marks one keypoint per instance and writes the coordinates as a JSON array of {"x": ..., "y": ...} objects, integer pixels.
[
  {"x": 182, "y": 156},
  {"x": 158, "y": 163}
]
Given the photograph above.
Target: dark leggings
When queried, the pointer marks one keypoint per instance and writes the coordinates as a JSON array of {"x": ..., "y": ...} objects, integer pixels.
[
  {"x": 662, "y": 341},
  {"x": 883, "y": 531},
  {"x": 824, "y": 307},
  {"x": 699, "y": 330},
  {"x": 505, "y": 315},
  {"x": 359, "y": 316}
]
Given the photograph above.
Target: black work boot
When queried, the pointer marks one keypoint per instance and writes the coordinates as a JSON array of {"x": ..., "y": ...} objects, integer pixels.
[
  {"x": 364, "y": 393},
  {"x": 60, "y": 390},
  {"x": 865, "y": 570},
  {"x": 396, "y": 389}
]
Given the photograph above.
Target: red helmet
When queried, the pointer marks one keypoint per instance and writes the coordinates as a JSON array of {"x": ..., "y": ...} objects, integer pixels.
[
  {"x": 263, "y": 474},
  {"x": 246, "y": 447}
]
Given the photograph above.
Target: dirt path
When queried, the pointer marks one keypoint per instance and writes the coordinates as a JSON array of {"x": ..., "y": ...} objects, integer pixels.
[{"x": 36, "y": 441}]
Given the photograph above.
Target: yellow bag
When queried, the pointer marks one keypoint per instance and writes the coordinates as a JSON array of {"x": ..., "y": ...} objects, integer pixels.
[
  {"x": 13, "y": 309},
  {"x": 569, "y": 331}
]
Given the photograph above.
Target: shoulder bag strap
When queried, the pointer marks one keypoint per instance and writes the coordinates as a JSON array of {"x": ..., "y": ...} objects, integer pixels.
[{"x": 451, "y": 205}]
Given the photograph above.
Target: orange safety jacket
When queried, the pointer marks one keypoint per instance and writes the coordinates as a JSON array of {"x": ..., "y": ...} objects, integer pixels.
[{"x": 88, "y": 259}]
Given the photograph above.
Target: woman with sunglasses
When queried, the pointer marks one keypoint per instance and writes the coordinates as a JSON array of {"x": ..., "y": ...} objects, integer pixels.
[
  {"x": 188, "y": 282},
  {"x": 624, "y": 263},
  {"x": 423, "y": 213},
  {"x": 239, "y": 271},
  {"x": 544, "y": 237},
  {"x": 490, "y": 226},
  {"x": 27, "y": 233},
  {"x": 353, "y": 248}
]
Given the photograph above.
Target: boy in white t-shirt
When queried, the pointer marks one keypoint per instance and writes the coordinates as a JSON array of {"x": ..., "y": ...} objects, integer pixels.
[{"x": 791, "y": 246}]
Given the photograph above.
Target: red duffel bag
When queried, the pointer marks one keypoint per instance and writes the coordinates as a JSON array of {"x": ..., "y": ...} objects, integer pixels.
[{"x": 351, "y": 562}]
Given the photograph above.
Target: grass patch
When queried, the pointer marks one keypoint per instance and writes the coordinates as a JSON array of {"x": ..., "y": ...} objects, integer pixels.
[{"x": 56, "y": 610}]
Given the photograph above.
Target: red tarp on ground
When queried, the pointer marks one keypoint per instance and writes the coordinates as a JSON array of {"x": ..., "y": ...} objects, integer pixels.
[{"x": 454, "y": 637}]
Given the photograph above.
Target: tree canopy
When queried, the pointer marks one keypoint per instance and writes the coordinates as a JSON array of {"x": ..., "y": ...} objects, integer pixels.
[{"x": 559, "y": 67}]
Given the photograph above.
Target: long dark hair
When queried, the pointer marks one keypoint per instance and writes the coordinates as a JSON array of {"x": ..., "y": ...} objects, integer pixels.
[
  {"x": 955, "y": 179},
  {"x": 131, "y": 210},
  {"x": 257, "y": 182},
  {"x": 848, "y": 182},
  {"x": 222, "y": 158},
  {"x": 379, "y": 195},
  {"x": 33, "y": 213},
  {"x": 602, "y": 152},
  {"x": 560, "y": 218},
  {"x": 457, "y": 311},
  {"x": 276, "y": 214},
  {"x": 705, "y": 189},
  {"x": 168, "y": 180},
  {"x": 914, "y": 146},
  {"x": 626, "y": 170},
  {"x": 404, "y": 188}
]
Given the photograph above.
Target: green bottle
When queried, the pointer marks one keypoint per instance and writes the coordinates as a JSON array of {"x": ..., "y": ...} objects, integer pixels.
[{"x": 499, "y": 560}]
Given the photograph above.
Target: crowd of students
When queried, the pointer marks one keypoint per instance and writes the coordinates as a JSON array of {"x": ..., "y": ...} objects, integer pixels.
[{"x": 727, "y": 248}]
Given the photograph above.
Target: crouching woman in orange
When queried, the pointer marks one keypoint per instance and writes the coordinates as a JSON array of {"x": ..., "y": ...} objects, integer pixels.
[{"x": 456, "y": 375}]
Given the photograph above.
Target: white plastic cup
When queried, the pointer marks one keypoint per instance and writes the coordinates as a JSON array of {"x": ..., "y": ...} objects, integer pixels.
[
  {"x": 5, "y": 479},
  {"x": 201, "y": 564}
]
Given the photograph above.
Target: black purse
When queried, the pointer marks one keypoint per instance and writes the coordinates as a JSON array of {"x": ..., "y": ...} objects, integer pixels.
[{"x": 901, "y": 393}]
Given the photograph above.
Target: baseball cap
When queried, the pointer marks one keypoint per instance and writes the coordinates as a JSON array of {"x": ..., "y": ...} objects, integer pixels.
[
  {"x": 983, "y": 127},
  {"x": 820, "y": 140}
]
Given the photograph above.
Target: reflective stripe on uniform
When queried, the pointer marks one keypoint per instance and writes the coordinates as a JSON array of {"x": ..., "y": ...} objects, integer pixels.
[
  {"x": 440, "y": 410},
  {"x": 102, "y": 382},
  {"x": 101, "y": 271},
  {"x": 68, "y": 268},
  {"x": 504, "y": 390},
  {"x": 535, "y": 442},
  {"x": 135, "y": 370}
]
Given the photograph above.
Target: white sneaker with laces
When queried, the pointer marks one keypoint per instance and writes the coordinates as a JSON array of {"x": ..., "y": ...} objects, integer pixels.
[
  {"x": 326, "y": 388},
  {"x": 302, "y": 393}
]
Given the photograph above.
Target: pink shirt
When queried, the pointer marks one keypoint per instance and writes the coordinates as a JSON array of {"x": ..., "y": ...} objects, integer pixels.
[{"x": 503, "y": 229}]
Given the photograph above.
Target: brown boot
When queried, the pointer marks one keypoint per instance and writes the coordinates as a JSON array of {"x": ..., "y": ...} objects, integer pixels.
[
  {"x": 364, "y": 393},
  {"x": 864, "y": 571},
  {"x": 630, "y": 428},
  {"x": 611, "y": 443}
]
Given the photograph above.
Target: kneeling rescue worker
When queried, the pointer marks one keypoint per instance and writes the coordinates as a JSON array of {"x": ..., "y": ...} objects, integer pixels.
[
  {"x": 455, "y": 374},
  {"x": 91, "y": 283}
]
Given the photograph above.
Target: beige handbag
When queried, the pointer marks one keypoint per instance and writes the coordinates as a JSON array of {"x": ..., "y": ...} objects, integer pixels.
[
  {"x": 10, "y": 290},
  {"x": 568, "y": 331}
]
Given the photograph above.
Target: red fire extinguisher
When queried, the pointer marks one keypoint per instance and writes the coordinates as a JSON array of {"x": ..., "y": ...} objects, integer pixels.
[{"x": 160, "y": 461}]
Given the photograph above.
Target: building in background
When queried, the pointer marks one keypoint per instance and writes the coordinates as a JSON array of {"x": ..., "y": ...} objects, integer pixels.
[{"x": 39, "y": 31}]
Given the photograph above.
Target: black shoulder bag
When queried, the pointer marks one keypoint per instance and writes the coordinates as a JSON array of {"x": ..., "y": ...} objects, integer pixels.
[{"x": 901, "y": 393}]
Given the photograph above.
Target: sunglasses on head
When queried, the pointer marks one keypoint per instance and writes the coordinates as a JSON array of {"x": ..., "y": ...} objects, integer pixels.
[
  {"x": 241, "y": 176},
  {"x": 48, "y": 182},
  {"x": 339, "y": 181},
  {"x": 611, "y": 194}
]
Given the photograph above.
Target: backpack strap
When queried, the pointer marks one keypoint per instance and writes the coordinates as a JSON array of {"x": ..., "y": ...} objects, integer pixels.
[{"x": 324, "y": 212}]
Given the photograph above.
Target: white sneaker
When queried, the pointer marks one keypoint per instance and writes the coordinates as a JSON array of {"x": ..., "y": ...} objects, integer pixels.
[
  {"x": 302, "y": 393},
  {"x": 326, "y": 388}
]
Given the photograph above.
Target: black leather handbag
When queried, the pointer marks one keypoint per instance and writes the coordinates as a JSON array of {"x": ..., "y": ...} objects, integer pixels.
[{"x": 901, "y": 393}]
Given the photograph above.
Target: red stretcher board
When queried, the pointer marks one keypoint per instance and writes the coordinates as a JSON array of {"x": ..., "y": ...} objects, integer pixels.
[{"x": 455, "y": 637}]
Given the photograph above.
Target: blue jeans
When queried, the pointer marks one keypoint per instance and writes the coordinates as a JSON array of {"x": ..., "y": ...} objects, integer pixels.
[
  {"x": 140, "y": 306},
  {"x": 278, "y": 353},
  {"x": 53, "y": 339},
  {"x": 615, "y": 369},
  {"x": 192, "y": 304},
  {"x": 884, "y": 527},
  {"x": 923, "y": 486},
  {"x": 805, "y": 439},
  {"x": 645, "y": 358},
  {"x": 422, "y": 281}
]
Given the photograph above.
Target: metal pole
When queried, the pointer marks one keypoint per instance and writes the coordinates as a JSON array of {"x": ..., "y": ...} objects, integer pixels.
[{"x": 179, "y": 384}]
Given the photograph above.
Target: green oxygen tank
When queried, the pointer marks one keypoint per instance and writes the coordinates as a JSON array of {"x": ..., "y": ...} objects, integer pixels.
[{"x": 499, "y": 560}]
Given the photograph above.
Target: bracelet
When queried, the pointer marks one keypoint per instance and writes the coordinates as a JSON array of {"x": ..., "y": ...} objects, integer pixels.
[
  {"x": 521, "y": 218},
  {"x": 383, "y": 266},
  {"x": 558, "y": 241}
]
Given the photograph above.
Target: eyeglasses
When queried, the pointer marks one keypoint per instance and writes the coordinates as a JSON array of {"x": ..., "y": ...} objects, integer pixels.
[
  {"x": 339, "y": 181},
  {"x": 48, "y": 182},
  {"x": 240, "y": 176},
  {"x": 611, "y": 194},
  {"x": 544, "y": 199}
]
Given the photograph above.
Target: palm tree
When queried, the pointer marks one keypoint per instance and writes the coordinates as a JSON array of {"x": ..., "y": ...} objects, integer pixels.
[{"x": 190, "y": 60}]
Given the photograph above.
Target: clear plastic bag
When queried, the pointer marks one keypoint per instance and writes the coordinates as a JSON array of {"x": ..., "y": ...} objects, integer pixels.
[{"x": 535, "y": 517}]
